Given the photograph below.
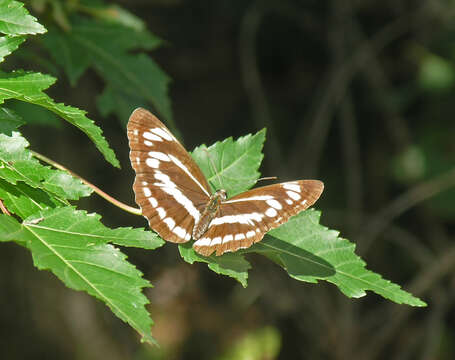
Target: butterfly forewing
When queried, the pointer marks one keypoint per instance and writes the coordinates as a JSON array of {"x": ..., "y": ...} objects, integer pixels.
[
  {"x": 244, "y": 219},
  {"x": 169, "y": 186}
]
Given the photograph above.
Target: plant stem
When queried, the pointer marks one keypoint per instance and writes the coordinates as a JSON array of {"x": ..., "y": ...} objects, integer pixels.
[
  {"x": 100, "y": 192},
  {"x": 4, "y": 209}
]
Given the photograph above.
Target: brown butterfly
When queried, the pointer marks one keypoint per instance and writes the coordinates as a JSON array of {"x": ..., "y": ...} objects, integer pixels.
[{"x": 175, "y": 197}]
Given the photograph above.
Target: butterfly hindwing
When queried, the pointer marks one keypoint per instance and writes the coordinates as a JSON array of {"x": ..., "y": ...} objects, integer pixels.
[
  {"x": 244, "y": 219},
  {"x": 169, "y": 186}
]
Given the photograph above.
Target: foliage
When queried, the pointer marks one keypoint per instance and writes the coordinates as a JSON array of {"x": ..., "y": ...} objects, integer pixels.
[
  {"x": 259, "y": 344},
  {"x": 75, "y": 245}
]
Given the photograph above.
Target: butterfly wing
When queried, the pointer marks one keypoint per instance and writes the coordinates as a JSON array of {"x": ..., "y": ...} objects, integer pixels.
[
  {"x": 169, "y": 186},
  {"x": 244, "y": 219}
]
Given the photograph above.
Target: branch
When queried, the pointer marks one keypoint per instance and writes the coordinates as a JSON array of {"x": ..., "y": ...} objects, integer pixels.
[
  {"x": 403, "y": 203},
  {"x": 100, "y": 192}
]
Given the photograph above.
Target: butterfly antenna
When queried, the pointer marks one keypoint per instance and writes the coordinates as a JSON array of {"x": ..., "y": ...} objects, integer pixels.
[
  {"x": 267, "y": 178},
  {"x": 214, "y": 168}
]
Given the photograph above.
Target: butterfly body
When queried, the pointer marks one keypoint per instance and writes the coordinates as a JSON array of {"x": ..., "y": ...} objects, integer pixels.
[
  {"x": 209, "y": 212},
  {"x": 176, "y": 199}
]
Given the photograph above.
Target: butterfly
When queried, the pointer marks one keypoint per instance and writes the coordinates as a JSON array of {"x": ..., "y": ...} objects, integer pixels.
[{"x": 177, "y": 201}]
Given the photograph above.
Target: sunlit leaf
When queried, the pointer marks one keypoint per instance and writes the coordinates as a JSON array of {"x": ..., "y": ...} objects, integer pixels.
[
  {"x": 15, "y": 19},
  {"x": 29, "y": 87},
  {"x": 8, "y": 44},
  {"x": 9, "y": 121},
  {"x": 24, "y": 200},
  {"x": 233, "y": 265},
  {"x": 18, "y": 164},
  {"x": 307, "y": 250},
  {"x": 73, "y": 246},
  {"x": 232, "y": 165},
  {"x": 310, "y": 252}
]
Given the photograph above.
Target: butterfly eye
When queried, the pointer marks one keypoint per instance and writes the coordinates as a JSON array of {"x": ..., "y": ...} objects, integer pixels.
[{"x": 223, "y": 194}]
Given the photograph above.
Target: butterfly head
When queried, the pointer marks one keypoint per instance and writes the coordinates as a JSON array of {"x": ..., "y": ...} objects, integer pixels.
[{"x": 221, "y": 194}]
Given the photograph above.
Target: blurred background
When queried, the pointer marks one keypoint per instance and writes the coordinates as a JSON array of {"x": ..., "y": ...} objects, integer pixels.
[{"x": 359, "y": 94}]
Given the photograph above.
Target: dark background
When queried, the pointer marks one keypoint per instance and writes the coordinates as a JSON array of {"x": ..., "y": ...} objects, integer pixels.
[{"x": 359, "y": 94}]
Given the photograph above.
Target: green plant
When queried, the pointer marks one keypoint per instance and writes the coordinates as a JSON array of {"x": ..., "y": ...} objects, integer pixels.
[{"x": 73, "y": 244}]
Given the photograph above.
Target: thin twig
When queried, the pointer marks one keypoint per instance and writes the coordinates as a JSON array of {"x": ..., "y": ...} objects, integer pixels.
[
  {"x": 414, "y": 246},
  {"x": 435, "y": 325},
  {"x": 403, "y": 203},
  {"x": 341, "y": 14},
  {"x": 351, "y": 155},
  {"x": 338, "y": 79},
  {"x": 425, "y": 281},
  {"x": 100, "y": 192},
  {"x": 251, "y": 77},
  {"x": 377, "y": 78}
]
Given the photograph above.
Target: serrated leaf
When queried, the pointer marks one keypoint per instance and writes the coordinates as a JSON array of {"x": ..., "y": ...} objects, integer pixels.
[
  {"x": 15, "y": 19},
  {"x": 8, "y": 44},
  {"x": 102, "y": 33},
  {"x": 29, "y": 87},
  {"x": 232, "y": 165},
  {"x": 117, "y": 14},
  {"x": 9, "y": 121},
  {"x": 23, "y": 200},
  {"x": 89, "y": 43},
  {"x": 11, "y": 230},
  {"x": 18, "y": 164},
  {"x": 35, "y": 115},
  {"x": 307, "y": 250},
  {"x": 136, "y": 238},
  {"x": 73, "y": 245},
  {"x": 311, "y": 252},
  {"x": 114, "y": 100},
  {"x": 26, "y": 55},
  {"x": 137, "y": 75},
  {"x": 233, "y": 265},
  {"x": 67, "y": 54}
]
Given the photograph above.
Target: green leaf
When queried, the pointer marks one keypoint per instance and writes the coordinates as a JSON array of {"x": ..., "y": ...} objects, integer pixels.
[
  {"x": 233, "y": 265},
  {"x": 100, "y": 34},
  {"x": 137, "y": 77},
  {"x": 15, "y": 20},
  {"x": 307, "y": 250},
  {"x": 11, "y": 230},
  {"x": 74, "y": 60},
  {"x": 8, "y": 44},
  {"x": 18, "y": 164},
  {"x": 258, "y": 344},
  {"x": 73, "y": 245},
  {"x": 23, "y": 200},
  {"x": 311, "y": 252},
  {"x": 28, "y": 87},
  {"x": 232, "y": 165},
  {"x": 9, "y": 121},
  {"x": 35, "y": 115},
  {"x": 139, "y": 238},
  {"x": 436, "y": 73},
  {"x": 114, "y": 100},
  {"x": 117, "y": 14}
]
